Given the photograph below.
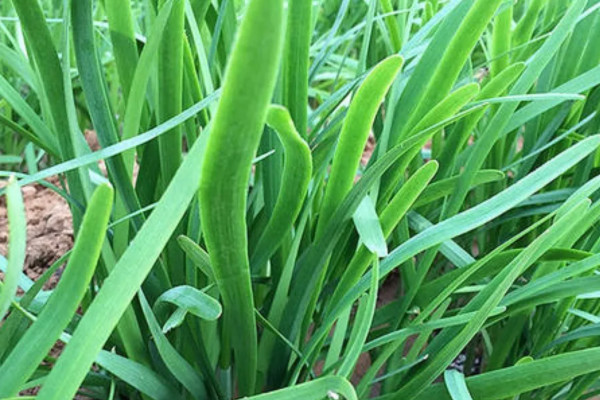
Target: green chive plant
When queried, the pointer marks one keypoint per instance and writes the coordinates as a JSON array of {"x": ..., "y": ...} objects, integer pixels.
[{"x": 242, "y": 242}]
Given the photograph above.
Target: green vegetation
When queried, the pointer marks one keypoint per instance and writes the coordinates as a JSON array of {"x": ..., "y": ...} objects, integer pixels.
[{"x": 242, "y": 243}]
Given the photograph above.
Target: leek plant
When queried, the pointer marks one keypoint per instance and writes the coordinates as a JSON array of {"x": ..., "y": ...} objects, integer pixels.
[{"x": 242, "y": 243}]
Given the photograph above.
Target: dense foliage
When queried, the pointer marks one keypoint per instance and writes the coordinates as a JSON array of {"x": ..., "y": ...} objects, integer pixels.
[{"x": 241, "y": 237}]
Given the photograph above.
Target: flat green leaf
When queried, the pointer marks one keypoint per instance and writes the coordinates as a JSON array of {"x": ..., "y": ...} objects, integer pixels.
[
  {"x": 483, "y": 145},
  {"x": 329, "y": 386},
  {"x": 450, "y": 249},
  {"x": 578, "y": 84},
  {"x": 449, "y": 342},
  {"x": 16, "y": 246},
  {"x": 362, "y": 323},
  {"x": 456, "y": 385},
  {"x": 547, "y": 281},
  {"x": 297, "y": 171},
  {"x": 368, "y": 227},
  {"x": 473, "y": 217},
  {"x": 193, "y": 301},
  {"x": 197, "y": 254},
  {"x": 120, "y": 147},
  {"x": 41, "y": 130},
  {"x": 440, "y": 189},
  {"x": 512, "y": 381},
  {"x": 138, "y": 376}
]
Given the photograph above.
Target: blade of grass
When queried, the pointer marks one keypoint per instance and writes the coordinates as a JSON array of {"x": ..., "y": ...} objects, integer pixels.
[
  {"x": 191, "y": 300},
  {"x": 170, "y": 81},
  {"x": 316, "y": 255},
  {"x": 17, "y": 244},
  {"x": 296, "y": 62},
  {"x": 443, "y": 188},
  {"x": 297, "y": 171},
  {"x": 45, "y": 57},
  {"x": 475, "y": 216},
  {"x": 456, "y": 385},
  {"x": 368, "y": 227},
  {"x": 501, "y": 40},
  {"x": 509, "y": 382},
  {"x": 94, "y": 86},
  {"x": 122, "y": 36},
  {"x": 329, "y": 386},
  {"x": 362, "y": 323},
  {"x": 121, "y": 147}
]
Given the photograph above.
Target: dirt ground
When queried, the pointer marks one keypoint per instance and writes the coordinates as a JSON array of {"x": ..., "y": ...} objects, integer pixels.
[
  {"x": 49, "y": 224},
  {"x": 49, "y": 229}
]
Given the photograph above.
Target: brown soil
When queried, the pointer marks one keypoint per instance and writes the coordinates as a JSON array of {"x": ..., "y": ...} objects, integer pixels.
[
  {"x": 49, "y": 224},
  {"x": 368, "y": 151},
  {"x": 49, "y": 229}
]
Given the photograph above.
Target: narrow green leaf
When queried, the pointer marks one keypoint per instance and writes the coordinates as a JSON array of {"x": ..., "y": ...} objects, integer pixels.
[
  {"x": 501, "y": 40},
  {"x": 329, "y": 386},
  {"x": 297, "y": 171},
  {"x": 138, "y": 376},
  {"x": 362, "y": 324},
  {"x": 42, "y": 132},
  {"x": 390, "y": 218},
  {"x": 579, "y": 84},
  {"x": 199, "y": 257},
  {"x": 392, "y": 25},
  {"x": 509, "y": 382},
  {"x": 368, "y": 227},
  {"x": 404, "y": 333},
  {"x": 456, "y": 385},
  {"x": 443, "y": 188},
  {"x": 17, "y": 244},
  {"x": 477, "y": 215},
  {"x": 43, "y": 52},
  {"x": 446, "y": 108},
  {"x": 94, "y": 85},
  {"x": 446, "y": 346},
  {"x": 296, "y": 61},
  {"x": 193, "y": 301},
  {"x": 316, "y": 255},
  {"x": 122, "y": 36},
  {"x": 170, "y": 88},
  {"x": 121, "y": 147},
  {"x": 457, "y": 139}
]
